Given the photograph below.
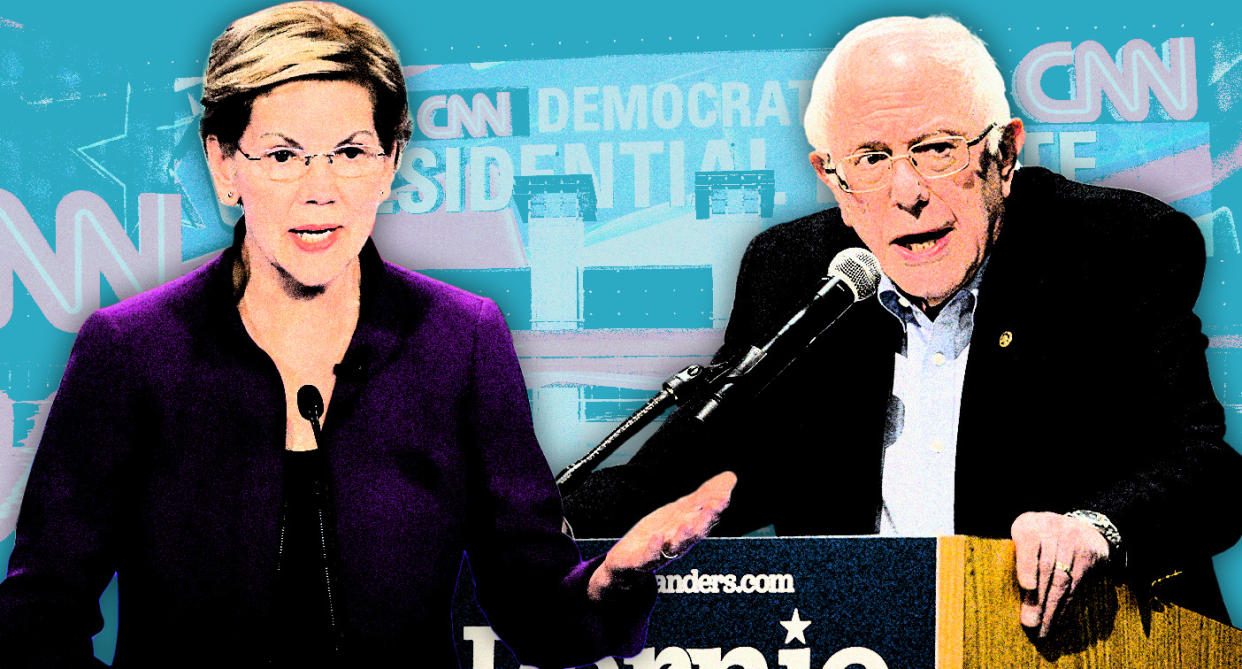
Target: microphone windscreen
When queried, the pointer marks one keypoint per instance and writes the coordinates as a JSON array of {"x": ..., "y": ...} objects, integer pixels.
[
  {"x": 858, "y": 269},
  {"x": 310, "y": 402}
]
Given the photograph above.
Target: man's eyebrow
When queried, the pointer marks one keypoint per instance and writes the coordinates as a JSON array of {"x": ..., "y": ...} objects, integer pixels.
[
  {"x": 939, "y": 132},
  {"x": 868, "y": 147},
  {"x": 883, "y": 147}
]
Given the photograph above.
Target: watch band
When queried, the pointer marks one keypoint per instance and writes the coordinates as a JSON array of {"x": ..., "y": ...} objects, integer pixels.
[{"x": 1107, "y": 529}]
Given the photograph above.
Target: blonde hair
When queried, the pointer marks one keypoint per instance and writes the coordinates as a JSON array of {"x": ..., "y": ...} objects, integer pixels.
[
  {"x": 939, "y": 38},
  {"x": 301, "y": 40}
]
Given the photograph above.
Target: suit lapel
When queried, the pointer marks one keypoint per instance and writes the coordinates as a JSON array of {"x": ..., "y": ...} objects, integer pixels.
[{"x": 997, "y": 385}]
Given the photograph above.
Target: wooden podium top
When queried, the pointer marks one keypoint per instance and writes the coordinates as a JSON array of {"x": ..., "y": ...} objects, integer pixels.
[{"x": 1108, "y": 627}]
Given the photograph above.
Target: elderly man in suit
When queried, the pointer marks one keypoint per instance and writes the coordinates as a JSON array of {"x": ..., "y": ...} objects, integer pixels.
[{"x": 1030, "y": 366}]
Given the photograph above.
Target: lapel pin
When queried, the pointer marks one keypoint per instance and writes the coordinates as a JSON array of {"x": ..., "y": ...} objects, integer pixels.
[{"x": 1006, "y": 338}]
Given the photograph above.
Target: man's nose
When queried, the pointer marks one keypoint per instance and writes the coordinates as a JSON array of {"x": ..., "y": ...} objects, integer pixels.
[{"x": 908, "y": 190}]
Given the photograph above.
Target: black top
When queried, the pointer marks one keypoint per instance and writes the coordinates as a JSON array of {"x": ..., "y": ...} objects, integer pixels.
[{"x": 304, "y": 626}]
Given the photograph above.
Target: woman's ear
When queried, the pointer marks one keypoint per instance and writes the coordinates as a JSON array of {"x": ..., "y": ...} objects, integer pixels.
[{"x": 223, "y": 172}]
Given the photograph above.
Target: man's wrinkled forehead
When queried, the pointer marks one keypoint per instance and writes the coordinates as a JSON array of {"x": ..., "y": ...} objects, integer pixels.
[
  {"x": 885, "y": 61},
  {"x": 888, "y": 100}
]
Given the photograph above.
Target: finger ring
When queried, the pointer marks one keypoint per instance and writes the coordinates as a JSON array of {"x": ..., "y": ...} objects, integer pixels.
[
  {"x": 1061, "y": 566},
  {"x": 666, "y": 556}
]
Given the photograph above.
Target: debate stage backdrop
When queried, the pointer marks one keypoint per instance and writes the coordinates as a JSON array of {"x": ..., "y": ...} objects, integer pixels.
[{"x": 596, "y": 169}]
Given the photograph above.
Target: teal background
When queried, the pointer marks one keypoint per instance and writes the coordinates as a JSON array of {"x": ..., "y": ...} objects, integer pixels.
[{"x": 87, "y": 101}]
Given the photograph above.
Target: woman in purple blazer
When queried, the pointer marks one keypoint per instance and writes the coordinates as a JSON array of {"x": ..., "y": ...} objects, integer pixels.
[{"x": 184, "y": 449}]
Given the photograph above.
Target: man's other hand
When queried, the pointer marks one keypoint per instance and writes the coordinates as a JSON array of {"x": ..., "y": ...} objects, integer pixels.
[
  {"x": 1053, "y": 554},
  {"x": 663, "y": 535}
]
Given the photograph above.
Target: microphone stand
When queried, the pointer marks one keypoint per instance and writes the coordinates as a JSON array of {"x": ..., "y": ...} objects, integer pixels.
[
  {"x": 310, "y": 406},
  {"x": 853, "y": 275},
  {"x": 685, "y": 385},
  {"x": 706, "y": 386},
  {"x": 711, "y": 386}
]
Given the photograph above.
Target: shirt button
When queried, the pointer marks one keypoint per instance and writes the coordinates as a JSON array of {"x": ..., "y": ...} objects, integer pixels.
[
  {"x": 937, "y": 445},
  {"x": 938, "y": 359}
]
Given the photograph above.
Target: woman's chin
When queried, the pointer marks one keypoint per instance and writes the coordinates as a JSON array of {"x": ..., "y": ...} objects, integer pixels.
[
  {"x": 307, "y": 280},
  {"x": 314, "y": 271}
]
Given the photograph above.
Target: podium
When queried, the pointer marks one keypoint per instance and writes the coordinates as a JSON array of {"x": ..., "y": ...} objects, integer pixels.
[
  {"x": 878, "y": 603},
  {"x": 1105, "y": 625}
]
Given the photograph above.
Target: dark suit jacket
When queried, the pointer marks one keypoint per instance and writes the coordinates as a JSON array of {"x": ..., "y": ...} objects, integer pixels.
[
  {"x": 1101, "y": 401},
  {"x": 161, "y": 460}
]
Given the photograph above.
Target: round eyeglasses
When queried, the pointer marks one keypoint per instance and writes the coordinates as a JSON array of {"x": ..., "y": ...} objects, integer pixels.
[
  {"x": 289, "y": 164},
  {"x": 933, "y": 158}
]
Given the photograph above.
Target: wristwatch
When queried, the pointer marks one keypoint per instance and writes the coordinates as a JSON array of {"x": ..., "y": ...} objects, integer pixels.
[{"x": 1106, "y": 528}]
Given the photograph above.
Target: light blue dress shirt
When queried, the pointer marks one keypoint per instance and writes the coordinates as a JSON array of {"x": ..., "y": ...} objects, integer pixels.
[{"x": 920, "y": 439}]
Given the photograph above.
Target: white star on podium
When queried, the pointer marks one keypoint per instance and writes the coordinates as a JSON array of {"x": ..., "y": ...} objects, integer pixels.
[{"x": 795, "y": 627}]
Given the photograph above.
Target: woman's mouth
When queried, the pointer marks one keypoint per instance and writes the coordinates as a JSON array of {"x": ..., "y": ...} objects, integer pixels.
[{"x": 314, "y": 238}]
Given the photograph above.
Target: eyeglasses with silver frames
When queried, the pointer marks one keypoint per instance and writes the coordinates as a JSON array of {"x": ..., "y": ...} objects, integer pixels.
[
  {"x": 933, "y": 158},
  {"x": 288, "y": 164}
]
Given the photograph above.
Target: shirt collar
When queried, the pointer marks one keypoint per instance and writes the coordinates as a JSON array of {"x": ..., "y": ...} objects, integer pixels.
[{"x": 961, "y": 304}]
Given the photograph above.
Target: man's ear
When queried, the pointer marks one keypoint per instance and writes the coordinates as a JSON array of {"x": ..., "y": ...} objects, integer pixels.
[
  {"x": 223, "y": 172},
  {"x": 819, "y": 163},
  {"x": 1013, "y": 136}
]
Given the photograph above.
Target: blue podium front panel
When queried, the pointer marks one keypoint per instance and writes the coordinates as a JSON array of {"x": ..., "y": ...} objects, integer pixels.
[{"x": 760, "y": 603}]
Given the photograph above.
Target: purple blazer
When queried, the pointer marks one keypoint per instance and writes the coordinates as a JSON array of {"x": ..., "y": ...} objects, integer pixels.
[{"x": 161, "y": 460}]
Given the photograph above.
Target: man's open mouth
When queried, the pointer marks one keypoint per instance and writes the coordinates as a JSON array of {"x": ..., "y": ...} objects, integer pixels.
[{"x": 922, "y": 241}]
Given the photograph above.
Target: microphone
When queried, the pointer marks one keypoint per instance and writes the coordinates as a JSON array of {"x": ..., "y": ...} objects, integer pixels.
[
  {"x": 853, "y": 276},
  {"x": 310, "y": 405}
]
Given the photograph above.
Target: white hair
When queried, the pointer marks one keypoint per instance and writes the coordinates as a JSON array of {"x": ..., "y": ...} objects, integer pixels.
[{"x": 937, "y": 38}]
